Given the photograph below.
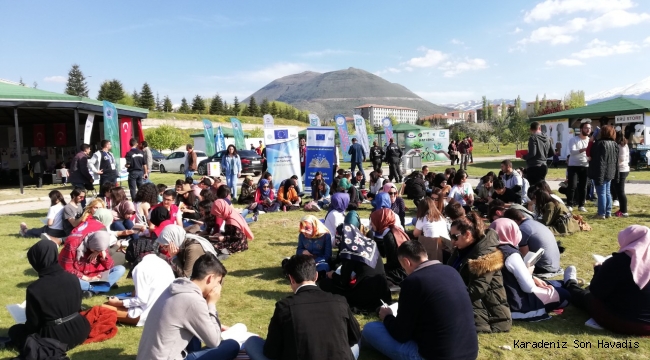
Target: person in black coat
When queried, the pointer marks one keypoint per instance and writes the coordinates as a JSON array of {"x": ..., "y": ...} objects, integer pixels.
[
  {"x": 434, "y": 320},
  {"x": 603, "y": 168},
  {"x": 53, "y": 301},
  {"x": 311, "y": 324}
]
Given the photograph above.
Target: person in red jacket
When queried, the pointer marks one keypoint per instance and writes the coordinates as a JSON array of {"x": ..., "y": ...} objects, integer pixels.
[
  {"x": 471, "y": 148},
  {"x": 85, "y": 255}
]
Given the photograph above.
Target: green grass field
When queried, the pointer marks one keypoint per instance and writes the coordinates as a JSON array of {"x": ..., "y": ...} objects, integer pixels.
[{"x": 254, "y": 283}]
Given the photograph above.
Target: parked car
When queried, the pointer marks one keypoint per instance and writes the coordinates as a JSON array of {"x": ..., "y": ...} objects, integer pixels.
[
  {"x": 175, "y": 162},
  {"x": 157, "y": 158},
  {"x": 250, "y": 162}
]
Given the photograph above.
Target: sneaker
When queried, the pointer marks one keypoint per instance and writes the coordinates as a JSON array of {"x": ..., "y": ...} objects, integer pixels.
[
  {"x": 599, "y": 217},
  {"x": 570, "y": 208},
  {"x": 570, "y": 273},
  {"x": 23, "y": 229},
  {"x": 582, "y": 208},
  {"x": 86, "y": 294},
  {"x": 607, "y": 216},
  {"x": 254, "y": 218},
  {"x": 621, "y": 214},
  {"x": 366, "y": 201},
  {"x": 284, "y": 208},
  {"x": 615, "y": 203}
]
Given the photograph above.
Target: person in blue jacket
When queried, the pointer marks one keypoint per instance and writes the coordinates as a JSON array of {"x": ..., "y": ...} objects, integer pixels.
[
  {"x": 315, "y": 240},
  {"x": 357, "y": 157},
  {"x": 231, "y": 167}
]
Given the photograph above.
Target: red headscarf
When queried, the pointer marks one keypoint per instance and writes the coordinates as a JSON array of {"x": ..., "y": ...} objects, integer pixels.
[
  {"x": 383, "y": 219},
  {"x": 223, "y": 210}
]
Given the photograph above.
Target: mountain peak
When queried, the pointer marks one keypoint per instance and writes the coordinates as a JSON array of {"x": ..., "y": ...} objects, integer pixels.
[{"x": 639, "y": 90}]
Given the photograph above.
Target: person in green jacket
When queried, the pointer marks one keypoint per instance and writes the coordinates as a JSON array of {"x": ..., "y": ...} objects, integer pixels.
[{"x": 555, "y": 214}]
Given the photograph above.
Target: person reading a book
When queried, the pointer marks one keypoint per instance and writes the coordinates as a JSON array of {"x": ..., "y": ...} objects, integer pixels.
[
  {"x": 294, "y": 333},
  {"x": 53, "y": 301},
  {"x": 336, "y": 212},
  {"x": 151, "y": 276},
  {"x": 85, "y": 254},
  {"x": 265, "y": 197},
  {"x": 529, "y": 298},
  {"x": 118, "y": 238},
  {"x": 186, "y": 315},
  {"x": 53, "y": 222},
  {"x": 435, "y": 318},
  {"x": 389, "y": 236},
  {"x": 554, "y": 214},
  {"x": 315, "y": 240},
  {"x": 479, "y": 263},
  {"x": 236, "y": 233},
  {"x": 183, "y": 249},
  {"x": 618, "y": 297}
]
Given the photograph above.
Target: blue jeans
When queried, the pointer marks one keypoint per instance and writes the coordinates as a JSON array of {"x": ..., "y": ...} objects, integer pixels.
[
  {"x": 121, "y": 225},
  {"x": 360, "y": 166},
  {"x": 604, "y": 198},
  {"x": 227, "y": 350},
  {"x": 189, "y": 173},
  {"x": 245, "y": 213},
  {"x": 564, "y": 294},
  {"x": 254, "y": 347},
  {"x": 323, "y": 203},
  {"x": 375, "y": 335},
  {"x": 114, "y": 275},
  {"x": 231, "y": 181}
]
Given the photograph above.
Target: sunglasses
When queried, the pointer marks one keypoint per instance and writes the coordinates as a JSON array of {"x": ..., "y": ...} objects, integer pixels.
[
  {"x": 265, "y": 187},
  {"x": 454, "y": 237},
  {"x": 392, "y": 193}
]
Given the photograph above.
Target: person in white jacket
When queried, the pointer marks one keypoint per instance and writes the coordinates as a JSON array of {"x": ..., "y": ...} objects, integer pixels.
[
  {"x": 618, "y": 185},
  {"x": 103, "y": 164}
]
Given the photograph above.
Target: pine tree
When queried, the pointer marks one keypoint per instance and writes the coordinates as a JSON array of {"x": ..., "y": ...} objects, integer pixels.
[
  {"x": 21, "y": 83},
  {"x": 167, "y": 104},
  {"x": 147, "y": 100},
  {"x": 253, "y": 110},
  {"x": 35, "y": 85},
  {"x": 111, "y": 90},
  {"x": 485, "y": 109},
  {"x": 226, "y": 108},
  {"x": 216, "y": 106},
  {"x": 235, "y": 107},
  {"x": 544, "y": 103},
  {"x": 488, "y": 116},
  {"x": 185, "y": 108},
  {"x": 76, "y": 84},
  {"x": 536, "y": 106},
  {"x": 198, "y": 106},
  {"x": 518, "y": 104},
  {"x": 274, "y": 109},
  {"x": 136, "y": 97},
  {"x": 158, "y": 103},
  {"x": 264, "y": 107}
]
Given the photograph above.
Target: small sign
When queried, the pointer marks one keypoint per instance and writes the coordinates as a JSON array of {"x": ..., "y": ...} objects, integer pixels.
[{"x": 624, "y": 119}]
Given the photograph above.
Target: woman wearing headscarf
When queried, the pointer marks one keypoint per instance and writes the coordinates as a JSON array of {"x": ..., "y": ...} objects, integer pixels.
[
  {"x": 336, "y": 213},
  {"x": 53, "y": 301},
  {"x": 389, "y": 236},
  {"x": 355, "y": 199},
  {"x": 440, "y": 181},
  {"x": 159, "y": 219},
  {"x": 618, "y": 297},
  {"x": 315, "y": 240},
  {"x": 85, "y": 255},
  {"x": 288, "y": 196},
  {"x": 362, "y": 279},
  {"x": 529, "y": 298},
  {"x": 397, "y": 203},
  {"x": 119, "y": 239},
  {"x": 183, "y": 249},
  {"x": 151, "y": 276},
  {"x": 235, "y": 234},
  {"x": 247, "y": 195},
  {"x": 265, "y": 197},
  {"x": 381, "y": 201}
]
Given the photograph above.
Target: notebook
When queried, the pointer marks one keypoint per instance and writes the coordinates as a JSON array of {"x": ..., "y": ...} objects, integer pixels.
[
  {"x": 600, "y": 259},
  {"x": 103, "y": 277},
  {"x": 17, "y": 311},
  {"x": 394, "y": 307},
  {"x": 533, "y": 257},
  {"x": 238, "y": 332}
]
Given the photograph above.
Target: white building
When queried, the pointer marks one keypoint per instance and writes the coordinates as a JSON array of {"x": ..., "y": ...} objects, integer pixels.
[{"x": 376, "y": 113}]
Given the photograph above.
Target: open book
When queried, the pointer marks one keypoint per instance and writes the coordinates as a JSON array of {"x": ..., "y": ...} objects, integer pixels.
[
  {"x": 238, "y": 332},
  {"x": 394, "y": 307},
  {"x": 17, "y": 311},
  {"x": 600, "y": 259},
  {"x": 103, "y": 277},
  {"x": 533, "y": 257}
]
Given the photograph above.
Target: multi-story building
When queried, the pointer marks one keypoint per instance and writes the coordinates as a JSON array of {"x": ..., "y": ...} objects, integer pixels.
[{"x": 376, "y": 113}]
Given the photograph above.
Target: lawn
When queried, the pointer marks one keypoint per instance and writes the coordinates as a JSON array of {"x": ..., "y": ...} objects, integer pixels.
[
  {"x": 488, "y": 150},
  {"x": 254, "y": 283}
]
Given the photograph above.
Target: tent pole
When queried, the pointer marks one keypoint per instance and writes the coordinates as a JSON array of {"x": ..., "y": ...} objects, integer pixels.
[
  {"x": 76, "y": 128},
  {"x": 19, "y": 152}
]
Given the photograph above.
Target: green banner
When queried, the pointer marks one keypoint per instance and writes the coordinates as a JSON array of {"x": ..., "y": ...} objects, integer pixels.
[
  {"x": 238, "y": 132},
  {"x": 111, "y": 132},
  {"x": 208, "y": 132}
]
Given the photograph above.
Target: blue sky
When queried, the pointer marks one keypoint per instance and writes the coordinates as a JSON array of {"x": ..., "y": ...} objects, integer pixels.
[{"x": 445, "y": 51}]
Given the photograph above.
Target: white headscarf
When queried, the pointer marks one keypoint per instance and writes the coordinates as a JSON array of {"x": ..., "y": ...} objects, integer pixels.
[{"x": 177, "y": 235}]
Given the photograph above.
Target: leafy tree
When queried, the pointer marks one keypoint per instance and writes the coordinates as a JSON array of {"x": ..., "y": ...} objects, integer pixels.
[
  {"x": 498, "y": 130},
  {"x": 216, "y": 106},
  {"x": 253, "y": 110},
  {"x": 426, "y": 123},
  {"x": 574, "y": 99},
  {"x": 198, "y": 106},
  {"x": 136, "y": 97},
  {"x": 126, "y": 99},
  {"x": 488, "y": 114},
  {"x": 257, "y": 132},
  {"x": 518, "y": 104},
  {"x": 167, "y": 104},
  {"x": 518, "y": 127},
  {"x": 235, "y": 107},
  {"x": 158, "y": 102},
  {"x": 21, "y": 83},
  {"x": 76, "y": 84},
  {"x": 544, "y": 103},
  {"x": 485, "y": 109},
  {"x": 264, "y": 107},
  {"x": 274, "y": 109},
  {"x": 185, "y": 108},
  {"x": 393, "y": 119},
  {"x": 226, "y": 108},
  {"x": 536, "y": 106},
  {"x": 111, "y": 90},
  {"x": 166, "y": 137},
  {"x": 35, "y": 85},
  {"x": 146, "y": 99}
]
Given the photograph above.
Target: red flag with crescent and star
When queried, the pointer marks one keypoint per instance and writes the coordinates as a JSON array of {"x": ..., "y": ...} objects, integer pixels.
[
  {"x": 39, "y": 135},
  {"x": 60, "y": 136},
  {"x": 126, "y": 134}
]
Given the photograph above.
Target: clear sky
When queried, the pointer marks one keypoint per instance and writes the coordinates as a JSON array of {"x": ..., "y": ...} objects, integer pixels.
[{"x": 445, "y": 51}]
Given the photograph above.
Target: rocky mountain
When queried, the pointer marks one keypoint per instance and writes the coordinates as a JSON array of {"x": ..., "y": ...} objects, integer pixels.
[
  {"x": 339, "y": 92},
  {"x": 477, "y": 104},
  {"x": 639, "y": 90}
]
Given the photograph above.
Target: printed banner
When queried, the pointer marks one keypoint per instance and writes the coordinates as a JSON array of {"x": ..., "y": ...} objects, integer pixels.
[
  {"x": 220, "y": 140},
  {"x": 388, "y": 128},
  {"x": 343, "y": 136},
  {"x": 282, "y": 154},
  {"x": 430, "y": 144},
  {"x": 362, "y": 134},
  {"x": 126, "y": 134},
  {"x": 88, "y": 130},
  {"x": 60, "y": 135},
  {"x": 238, "y": 133},
  {"x": 140, "y": 132},
  {"x": 111, "y": 131},
  {"x": 268, "y": 121},
  {"x": 321, "y": 150},
  {"x": 208, "y": 134},
  {"x": 314, "y": 120},
  {"x": 39, "y": 135}
]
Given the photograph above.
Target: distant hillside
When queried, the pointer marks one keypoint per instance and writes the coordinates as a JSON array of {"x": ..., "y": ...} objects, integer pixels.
[
  {"x": 339, "y": 92},
  {"x": 478, "y": 104}
]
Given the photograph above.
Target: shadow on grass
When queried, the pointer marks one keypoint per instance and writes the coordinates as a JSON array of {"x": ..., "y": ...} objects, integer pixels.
[
  {"x": 30, "y": 215},
  {"x": 288, "y": 243},
  {"x": 110, "y": 353},
  {"x": 30, "y": 272},
  {"x": 268, "y": 294},
  {"x": 268, "y": 273}
]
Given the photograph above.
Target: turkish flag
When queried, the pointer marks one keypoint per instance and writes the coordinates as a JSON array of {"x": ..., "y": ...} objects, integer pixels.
[
  {"x": 60, "y": 135},
  {"x": 126, "y": 134},
  {"x": 39, "y": 135},
  {"x": 140, "y": 133}
]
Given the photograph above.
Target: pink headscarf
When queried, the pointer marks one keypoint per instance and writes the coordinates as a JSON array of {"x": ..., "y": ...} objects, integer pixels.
[
  {"x": 635, "y": 242},
  {"x": 508, "y": 231},
  {"x": 389, "y": 186}
]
